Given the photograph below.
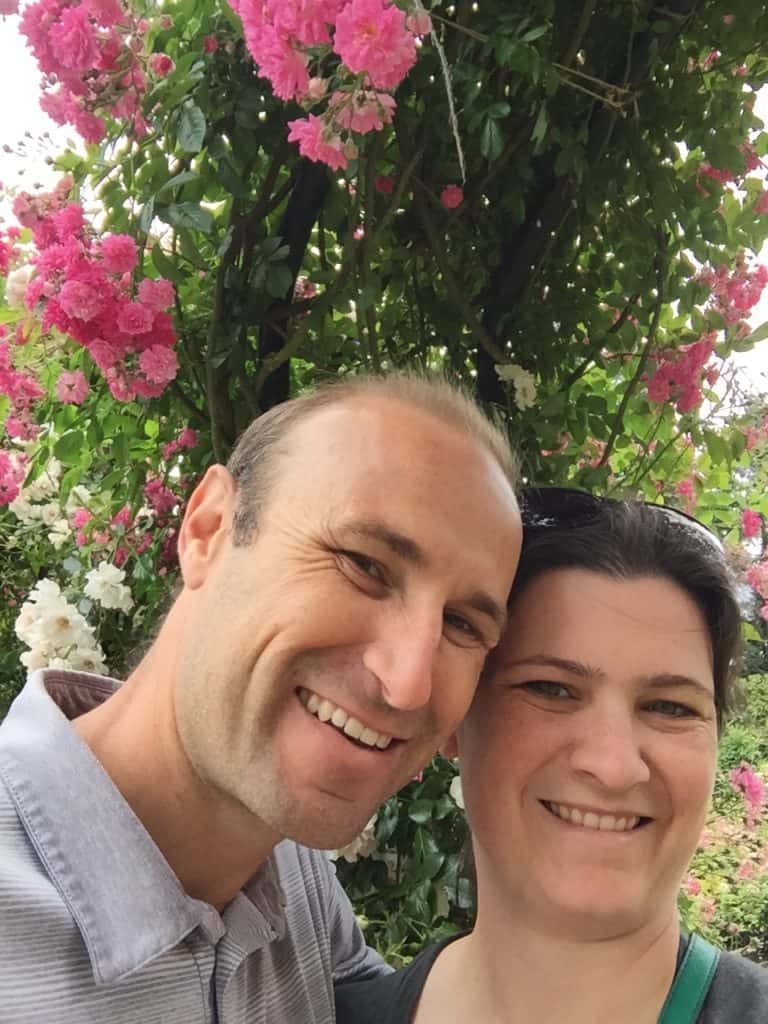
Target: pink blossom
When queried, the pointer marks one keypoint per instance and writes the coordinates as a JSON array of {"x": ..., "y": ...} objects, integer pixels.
[
  {"x": 12, "y": 472},
  {"x": 419, "y": 23},
  {"x": 692, "y": 886},
  {"x": 747, "y": 870},
  {"x": 159, "y": 364},
  {"x": 761, "y": 204},
  {"x": 161, "y": 499},
  {"x": 317, "y": 142},
  {"x": 757, "y": 577},
  {"x": 362, "y": 111},
  {"x": 746, "y": 781},
  {"x": 751, "y": 523},
  {"x": 764, "y": 612},
  {"x": 727, "y": 19},
  {"x": 71, "y": 387},
  {"x": 161, "y": 64},
  {"x": 384, "y": 184},
  {"x": 282, "y": 62},
  {"x": 134, "y": 318},
  {"x": 73, "y": 41},
  {"x": 452, "y": 196},
  {"x": 119, "y": 254},
  {"x": 157, "y": 295},
  {"x": 8, "y": 7},
  {"x": 210, "y": 44},
  {"x": 82, "y": 299},
  {"x": 708, "y": 910},
  {"x": 188, "y": 438},
  {"x": 371, "y": 36}
]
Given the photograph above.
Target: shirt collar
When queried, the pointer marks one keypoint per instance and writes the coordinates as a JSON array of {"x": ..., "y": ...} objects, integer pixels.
[{"x": 128, "y": 904}]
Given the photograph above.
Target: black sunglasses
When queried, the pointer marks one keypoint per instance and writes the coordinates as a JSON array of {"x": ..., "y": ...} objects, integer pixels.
[{"x": 546, "y": 507}]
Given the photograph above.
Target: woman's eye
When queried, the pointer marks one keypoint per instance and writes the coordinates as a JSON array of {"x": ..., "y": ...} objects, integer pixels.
[
  {"x": 546, "y": 688},
  {"x": 671, "y": 709}
]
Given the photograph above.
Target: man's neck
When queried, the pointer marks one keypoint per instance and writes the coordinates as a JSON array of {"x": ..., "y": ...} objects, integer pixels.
[
  {"x": 212, "y": 844},
  {"x": 521, "y": 975}
]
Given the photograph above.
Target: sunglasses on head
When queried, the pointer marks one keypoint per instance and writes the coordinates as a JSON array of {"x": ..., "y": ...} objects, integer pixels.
[{"x": 546, "y": 507}]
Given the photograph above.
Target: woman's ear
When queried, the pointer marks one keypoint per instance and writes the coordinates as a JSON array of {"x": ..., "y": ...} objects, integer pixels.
[{"x": 450, "y": 748}]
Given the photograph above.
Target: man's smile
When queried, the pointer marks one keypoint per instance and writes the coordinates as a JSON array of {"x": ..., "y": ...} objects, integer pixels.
[{"x": 352, "y": 727}]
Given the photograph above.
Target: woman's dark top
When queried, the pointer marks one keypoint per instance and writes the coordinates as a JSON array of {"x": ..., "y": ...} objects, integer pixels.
[{"x": 739, "y": 992}]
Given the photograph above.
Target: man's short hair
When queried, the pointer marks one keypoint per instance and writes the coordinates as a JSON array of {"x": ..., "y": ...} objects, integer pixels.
[{"x": 254, "y": 461}]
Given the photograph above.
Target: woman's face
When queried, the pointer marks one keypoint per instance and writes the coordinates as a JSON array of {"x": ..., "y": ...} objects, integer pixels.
[{"x": 588, "y": 756}]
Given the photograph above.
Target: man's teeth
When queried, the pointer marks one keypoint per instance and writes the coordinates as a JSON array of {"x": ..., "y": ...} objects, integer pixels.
[
  {"x": 588, "y": 819},
  {"x": 346, "y": 723}
]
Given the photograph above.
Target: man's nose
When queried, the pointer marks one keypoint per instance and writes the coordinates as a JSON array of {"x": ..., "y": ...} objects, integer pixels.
[
  {"x": 403, "y": 660},
  {"x": 609, "y": 749}
]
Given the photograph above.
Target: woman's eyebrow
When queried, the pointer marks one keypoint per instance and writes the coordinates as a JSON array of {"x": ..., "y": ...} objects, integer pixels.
[
  {"x": 576, "y": 668},
  {"x": 667, "y": 679}
]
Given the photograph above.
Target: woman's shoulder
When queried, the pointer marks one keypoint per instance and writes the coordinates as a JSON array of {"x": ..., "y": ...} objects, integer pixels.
[
  {"x": 390, "y": 998},
  {"x": 739, "y": 993}
]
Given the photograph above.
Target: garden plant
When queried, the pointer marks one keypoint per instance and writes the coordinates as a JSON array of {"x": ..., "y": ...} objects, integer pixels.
[{"x": 558, "y": 203}]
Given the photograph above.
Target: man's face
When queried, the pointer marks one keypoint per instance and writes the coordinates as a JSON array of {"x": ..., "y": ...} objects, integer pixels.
[{"x": 325, "y": 662}]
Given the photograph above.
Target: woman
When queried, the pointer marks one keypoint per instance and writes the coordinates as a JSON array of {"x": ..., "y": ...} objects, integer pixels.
[{"x": 588, "y": 761}]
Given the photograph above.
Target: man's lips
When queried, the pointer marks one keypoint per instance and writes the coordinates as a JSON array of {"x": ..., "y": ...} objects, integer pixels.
[{"x": 332, "y": 714}]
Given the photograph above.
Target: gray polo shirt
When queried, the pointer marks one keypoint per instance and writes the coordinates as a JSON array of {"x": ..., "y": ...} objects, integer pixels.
[{"x": 95, "y": 926}]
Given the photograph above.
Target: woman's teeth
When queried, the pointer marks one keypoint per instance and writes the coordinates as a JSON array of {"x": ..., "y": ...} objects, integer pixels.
[
  {"x": 588, "y": 819},
  {"x": 332, "y": 714}
]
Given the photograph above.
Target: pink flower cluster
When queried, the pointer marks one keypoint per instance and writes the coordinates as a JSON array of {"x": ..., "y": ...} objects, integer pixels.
[
  {"x": 735, "y": 292},
  {"x": 751, "y": 523},
  {"x": 724, "y": 175},
  {"x": 746, "y": 781},
  {"x": 680, "y": 373},
  {"x": 375, "y": 42},
  {"x": 186, "y": 440},
  {"x": 93, "y": 60},
  {"x": 757, "y": 577},
  {"x": 23, "y": 390},
  {"x": 12, "y": 473},
  {"x": 84, "y": 287}
]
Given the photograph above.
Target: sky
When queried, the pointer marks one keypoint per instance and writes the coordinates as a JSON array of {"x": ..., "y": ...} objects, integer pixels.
[{"x": 19, "y": 86}]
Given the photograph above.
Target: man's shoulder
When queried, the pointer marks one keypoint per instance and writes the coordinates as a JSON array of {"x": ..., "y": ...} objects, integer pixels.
[{"x": 739, "y": 993}]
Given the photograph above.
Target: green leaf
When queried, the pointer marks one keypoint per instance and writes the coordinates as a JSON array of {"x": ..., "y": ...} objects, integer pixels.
[
  {"x": 491, "y": 142},
  {"x": 420, "y": 811},
  {"x": 166, "y": 267},
  {"x": 69, "y": 446},
  {"x": 188, "y": 215},
  {"x": 192, "y": 126},
  {"x": 178, "y": 179}
]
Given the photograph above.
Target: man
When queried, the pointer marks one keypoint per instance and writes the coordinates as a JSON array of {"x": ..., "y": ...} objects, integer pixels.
[{"x": 343, "y": 580}]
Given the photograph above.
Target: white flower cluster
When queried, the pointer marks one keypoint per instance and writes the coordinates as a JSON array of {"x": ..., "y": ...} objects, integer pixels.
[
  {"x": 57, "y": 635},
  {"x": 36, "y": 504},
  {"x": 363, "y": 846},
  {"x": 523, "y": 380},
  {"x": 105, "y": 585},
  {"x": 456, "y": 792},
  {"x": 16, "y": 286}
]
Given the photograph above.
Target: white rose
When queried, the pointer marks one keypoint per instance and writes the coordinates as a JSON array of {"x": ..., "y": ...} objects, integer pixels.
[
  {"x": 16, "y": 286},
  {"x": 524, "y": 383},
  {"x": 60, "y": 533},
  {"x": 363, "y": 846},
  {"x": 105, "y": 585},
  {"x": 457, "y": 794}
]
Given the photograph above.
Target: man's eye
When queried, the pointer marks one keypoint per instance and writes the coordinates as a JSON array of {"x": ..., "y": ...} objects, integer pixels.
[
  {"x": 366, "y": 565},
  {"x": 546, "y": 688},
  {"x": 462, "y": 625},
  {"x": 671, "y": 709}
]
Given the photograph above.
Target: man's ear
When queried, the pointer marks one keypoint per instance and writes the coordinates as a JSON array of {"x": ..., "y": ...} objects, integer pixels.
[
  {"x": 450, "y": 748},
  {"x": 206, "y": 525}
]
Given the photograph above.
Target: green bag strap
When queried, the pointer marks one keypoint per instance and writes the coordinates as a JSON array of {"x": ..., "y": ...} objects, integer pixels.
[{"x": 692, "y": 983}]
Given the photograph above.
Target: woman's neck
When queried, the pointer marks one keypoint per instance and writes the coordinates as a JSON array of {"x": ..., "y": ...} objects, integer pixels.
[{"x": 508, "y": 974}]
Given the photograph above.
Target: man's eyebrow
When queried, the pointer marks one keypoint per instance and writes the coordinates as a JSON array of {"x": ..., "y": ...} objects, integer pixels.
[
  {"x": 398, "y": 543},
  {"x": 486, "y": 605}
]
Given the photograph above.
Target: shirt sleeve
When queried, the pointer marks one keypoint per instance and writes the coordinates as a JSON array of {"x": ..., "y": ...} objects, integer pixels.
[{"x": 352, "y": 959}]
